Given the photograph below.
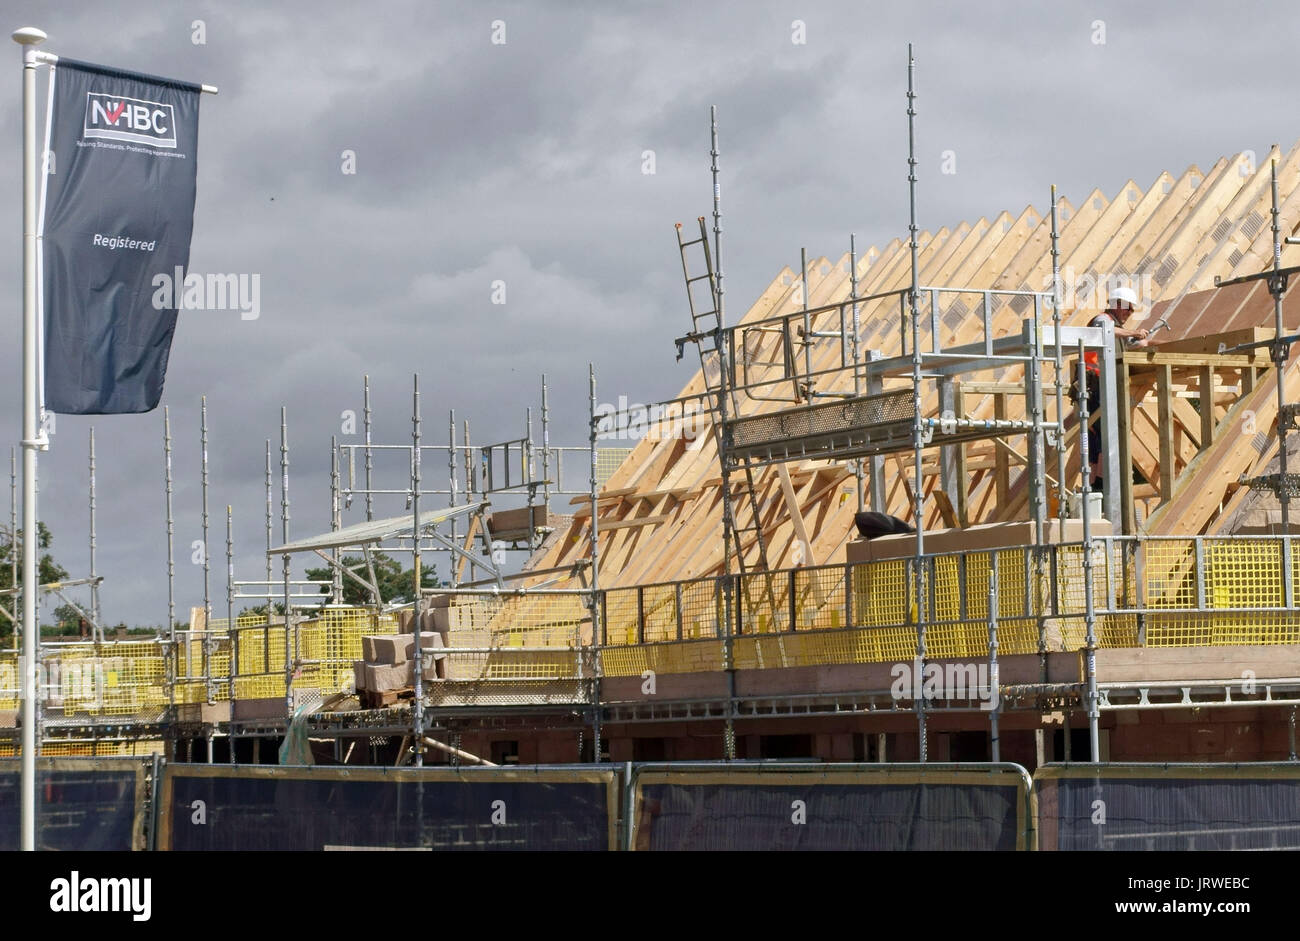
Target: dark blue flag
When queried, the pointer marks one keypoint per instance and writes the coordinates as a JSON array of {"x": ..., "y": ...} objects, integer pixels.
[{"x": 119, "y": 211}]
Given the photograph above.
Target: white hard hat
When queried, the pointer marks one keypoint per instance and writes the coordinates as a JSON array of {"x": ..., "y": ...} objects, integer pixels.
[{"x": 1127, "y": 295}]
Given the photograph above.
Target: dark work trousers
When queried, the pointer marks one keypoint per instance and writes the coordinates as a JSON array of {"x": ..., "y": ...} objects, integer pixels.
[{"x": 1094, "y": 424}]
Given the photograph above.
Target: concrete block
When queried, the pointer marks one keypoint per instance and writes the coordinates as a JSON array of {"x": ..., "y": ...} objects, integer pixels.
[
  {"x": 433, "y": 664},
  {"x": 452, "y": 618},
  {"x": 382, "y": 677},
  {"x": 393, "y": 649},
  {"x": 426, "y": 620},
  {"x": 432, "y": 647}
]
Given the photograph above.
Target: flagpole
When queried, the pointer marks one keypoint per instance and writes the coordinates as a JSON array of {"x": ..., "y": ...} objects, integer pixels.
[
  {"x": 29, "y": 37},
  {"x": 33, "y": 438}
]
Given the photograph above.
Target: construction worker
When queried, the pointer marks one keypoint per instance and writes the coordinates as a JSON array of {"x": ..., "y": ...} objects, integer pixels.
[{"x": 1120, "y": 305}]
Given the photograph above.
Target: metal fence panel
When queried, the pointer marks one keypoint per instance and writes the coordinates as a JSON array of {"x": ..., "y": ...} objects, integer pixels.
[
  {"x": 81, "y": 804},
  {"x": 816, "y": 807},
  {"x": 213, "y": 807},
  {"x": 1168, "y": 807}
]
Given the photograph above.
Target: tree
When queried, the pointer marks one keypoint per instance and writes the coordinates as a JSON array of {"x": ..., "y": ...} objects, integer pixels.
[
  {"x": 260, "y": 610},
  {"x": 394, "y": 582},
  {"x": 47, "y": 570},
  {"x": 67, "y": 619}
]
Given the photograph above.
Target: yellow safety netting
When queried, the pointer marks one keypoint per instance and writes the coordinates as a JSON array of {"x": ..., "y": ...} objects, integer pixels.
[{"x": 1189, "y": 593}]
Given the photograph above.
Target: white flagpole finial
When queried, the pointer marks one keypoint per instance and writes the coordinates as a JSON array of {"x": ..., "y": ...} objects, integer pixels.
[{"x": 29, "y": 36}]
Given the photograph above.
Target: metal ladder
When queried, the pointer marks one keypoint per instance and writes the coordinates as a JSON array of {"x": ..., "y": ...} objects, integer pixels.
[{"x": 707, "y": 335}]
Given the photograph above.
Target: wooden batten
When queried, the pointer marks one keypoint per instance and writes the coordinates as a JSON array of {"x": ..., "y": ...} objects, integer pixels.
[{"x": 661, "y": 513}]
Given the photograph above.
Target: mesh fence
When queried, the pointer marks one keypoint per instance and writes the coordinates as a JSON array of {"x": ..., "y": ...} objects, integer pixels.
[
  {"x": 515, "y": 637},
  {"x": 107, "y": 679},
  {"x": 895, "y": 807},
  {"x": 1214, "y": 592},
  {"x": 1168, "y": 807},
  {"x": 702, "y": 605},
  {"x": 1243, "y": 573},
  {"x": 10, "y": 679},
  {"x": 93, "y": 748},
  {"x": 1149, "y": 592},
  {"x": 763, "y": 600},
  {"x": 693, "y": 656},
  {"x": 1207, "y": 629},
  {"x": 260, "y": 662},
  {"x": 104, "y": 804},
  {"x": 257, "y": 808},
  {"x": 880, "y": 593},
  {"x": 323, "y": 649},
  {"x": 81, "y": 804},
  {"x": 660, "y": 613},
  {"x": 609, "y": 460},
  {"x": 819, "y": 598},
  {"x": 1169, "y": 573},
  {"x": 621, "y": 612},
  {"x": 1154, "y": 592},
  {"x": 1229, "y": 573}
]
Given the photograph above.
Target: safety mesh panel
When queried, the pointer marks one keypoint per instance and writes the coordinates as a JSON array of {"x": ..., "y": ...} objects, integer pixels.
[
  {"x": 929, "y": 814},
  {"x": 324, "y": 809},
  {"x": 79, "y": 805},
  {"x": 1169, "y": 809},
  {"x": 763, "y": 599},
  {"x": 819, "y": 598},
  {"x": 620, "y": 613}
]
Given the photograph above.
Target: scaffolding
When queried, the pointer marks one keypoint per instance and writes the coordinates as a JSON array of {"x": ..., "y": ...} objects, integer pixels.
[
  {"x": 502, "y": 470},
  {"x": 90, "y": 613},
  {"x": 767, "y": 389},
  {"x": 521, "y": 469},
  {"x": 1284, "y": 485},
  {"x": 810, "y": 384},
  {"x": 184, "y": 681}
]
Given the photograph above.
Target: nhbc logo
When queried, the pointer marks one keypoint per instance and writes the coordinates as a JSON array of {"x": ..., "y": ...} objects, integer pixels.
[{"x": 113, "y": 117}]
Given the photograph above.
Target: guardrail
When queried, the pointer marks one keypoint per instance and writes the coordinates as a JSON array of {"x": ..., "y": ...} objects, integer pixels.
[
  {"x": 1153, "y": 592},
  {"x": 1169, "y": 592}
]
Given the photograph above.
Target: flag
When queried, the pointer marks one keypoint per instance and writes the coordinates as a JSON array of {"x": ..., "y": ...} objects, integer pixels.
[{"x": 118, "y": 215}]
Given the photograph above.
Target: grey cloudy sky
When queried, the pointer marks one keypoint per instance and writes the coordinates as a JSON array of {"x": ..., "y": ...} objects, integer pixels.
[{"x": 522, "y": 162}]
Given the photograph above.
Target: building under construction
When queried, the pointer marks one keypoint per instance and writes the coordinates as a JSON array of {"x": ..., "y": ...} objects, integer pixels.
[{"x": 709, "y": 593}]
